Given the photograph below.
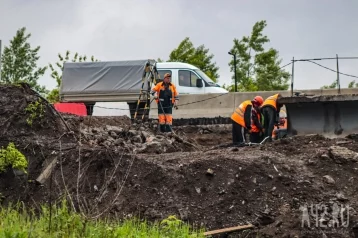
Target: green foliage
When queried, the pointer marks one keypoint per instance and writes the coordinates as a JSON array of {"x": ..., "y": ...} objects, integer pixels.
[
  {"x": 333, "y": 85},
  {"x": 56, "y": 73},
  {"x": 353, "y": 84},
  {"x": 16, "y": 221},
  {"x": 199, "y": 57},
  {"x": 35, "y": 110},
  {"x": 257, "y": 69},
  {"x": 12, "y": 157},
  {"x": 19, "y": 62}
]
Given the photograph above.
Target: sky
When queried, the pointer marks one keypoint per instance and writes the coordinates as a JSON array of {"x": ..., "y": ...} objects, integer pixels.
[{"x": 150, "y": 29}]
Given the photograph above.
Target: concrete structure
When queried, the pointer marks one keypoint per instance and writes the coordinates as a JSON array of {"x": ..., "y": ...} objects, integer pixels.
[
  {"x": 330, "y": 115},
  {"x": 223, "y": 105}
]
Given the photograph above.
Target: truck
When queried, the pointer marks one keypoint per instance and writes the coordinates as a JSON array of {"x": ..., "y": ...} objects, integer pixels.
[{"x": 122, "y": 81}]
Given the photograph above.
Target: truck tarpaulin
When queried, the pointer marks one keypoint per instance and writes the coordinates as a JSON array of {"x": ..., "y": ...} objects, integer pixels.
[{"x": 103, "y": 77}]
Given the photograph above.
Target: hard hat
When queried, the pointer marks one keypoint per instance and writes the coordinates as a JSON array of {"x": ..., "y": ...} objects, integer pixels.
[
  {"x": 167, "y": 75},
  {"x": 258, "y": 99}
]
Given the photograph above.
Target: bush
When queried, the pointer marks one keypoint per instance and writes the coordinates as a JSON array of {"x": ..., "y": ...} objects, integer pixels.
[{"x": 12, "y": 157}]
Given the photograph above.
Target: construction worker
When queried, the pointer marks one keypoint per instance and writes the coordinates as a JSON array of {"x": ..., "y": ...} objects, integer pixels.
[
  {"x": 280, "y": 130},
  {"x": 270, "y": 110},
  {"x": 241, "y": 120},
  {"x": 256, "y": 131},
  {"x": 166, "y": 96}
]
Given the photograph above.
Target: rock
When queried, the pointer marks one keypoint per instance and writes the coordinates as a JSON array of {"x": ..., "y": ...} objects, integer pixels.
[
  {"x": 107, "y": 143},
  {"x": 324, "y": 156},
  {"x": 113, "y": 134},
  {"x": 183, "y": 213},
  {"x": 119, "y": 141},
  {"x": 146, "y": 134},
  {"x": 133, "y": 132},
  {"x": 340, "y": 197},
  {"x": 137, "y": 139},
  {"x": 341, "y": 154},
  {"x": 116, "y": 129},
  {"x": 311, "y": 162},
  {"x": 210, "y": 172},
  {"x": 152, "y": 147},
  {"x": 328, "y": 179}
]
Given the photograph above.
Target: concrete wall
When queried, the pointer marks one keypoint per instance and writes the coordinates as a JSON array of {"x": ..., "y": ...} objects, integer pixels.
[{"x": 200, "y": 106}]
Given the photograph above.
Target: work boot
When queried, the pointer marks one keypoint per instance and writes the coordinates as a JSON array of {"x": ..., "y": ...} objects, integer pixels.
[
  {"x": 168, "y": 128},
  {"x": 162, "y": 128}
]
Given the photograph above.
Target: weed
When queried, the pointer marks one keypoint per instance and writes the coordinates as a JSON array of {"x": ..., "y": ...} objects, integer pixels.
[
  {"x": 36, "y": 111},
  {"x": 16, "y": 221}
]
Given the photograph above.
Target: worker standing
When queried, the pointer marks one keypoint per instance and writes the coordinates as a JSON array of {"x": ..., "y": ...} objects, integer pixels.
[
  {"x": 166, "y": 96},
  {"x": 270, "y": 110},
  {"x": 241, "y": 120},
  {"x": 257, "y": 129}
]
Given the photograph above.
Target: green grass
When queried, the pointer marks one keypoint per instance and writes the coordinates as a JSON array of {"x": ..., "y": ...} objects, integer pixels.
[{"x": 19, "y": 222}]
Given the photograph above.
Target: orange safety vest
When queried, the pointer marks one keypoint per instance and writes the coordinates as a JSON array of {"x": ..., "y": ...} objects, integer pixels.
[
  {"x": 160, "y": 87},
  {"x": 281, "y": 127},
  {"x": 271, "y": 101},
  {"x": 238, "y": 115},
  {"x": 254, "y": 128}
]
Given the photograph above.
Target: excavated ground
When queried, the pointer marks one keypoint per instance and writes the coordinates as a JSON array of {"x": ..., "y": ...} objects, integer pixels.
[{"x": 108, "y": 167}]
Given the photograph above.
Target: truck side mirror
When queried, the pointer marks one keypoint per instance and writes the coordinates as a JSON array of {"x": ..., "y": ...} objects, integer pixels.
[{"x": 199, "y": 83}]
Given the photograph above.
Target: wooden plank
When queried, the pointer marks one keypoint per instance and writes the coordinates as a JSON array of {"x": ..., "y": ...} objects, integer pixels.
[
  {"x": 227, "y": 230},
  {"x": 47, "y": 172}
]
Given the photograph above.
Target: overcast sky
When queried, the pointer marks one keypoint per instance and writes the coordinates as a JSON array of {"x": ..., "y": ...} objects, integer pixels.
[{"x": 142, "y": 29}]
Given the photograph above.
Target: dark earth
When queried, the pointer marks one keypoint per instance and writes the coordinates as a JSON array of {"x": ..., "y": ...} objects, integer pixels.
[{"x": 110, "y": 167}]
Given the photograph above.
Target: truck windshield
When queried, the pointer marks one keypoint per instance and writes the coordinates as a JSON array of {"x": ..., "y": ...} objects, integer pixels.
[{"x": 205, "y": 77}]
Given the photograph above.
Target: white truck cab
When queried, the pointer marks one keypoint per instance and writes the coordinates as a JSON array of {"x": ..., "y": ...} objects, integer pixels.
[
  {"x": 188, "y": 79},
  {"x": 120, "y": 82}
]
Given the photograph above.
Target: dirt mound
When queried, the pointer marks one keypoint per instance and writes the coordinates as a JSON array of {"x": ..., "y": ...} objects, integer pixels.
[
  {"x": 24, "y": 115},
  {"x": 108, "y": 167}
]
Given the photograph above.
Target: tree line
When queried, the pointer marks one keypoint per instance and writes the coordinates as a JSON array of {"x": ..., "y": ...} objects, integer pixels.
[{"x": 258, "y": 68}]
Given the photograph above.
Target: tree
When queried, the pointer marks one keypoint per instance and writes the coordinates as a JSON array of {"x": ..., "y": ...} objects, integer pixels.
[
  {"x": 56, "y": 74},
  {"x": 257, "y": 68},
  {"x": 19, "y": 62},
  {"x": 333, "y": 85},
  {"x": 353, "y": 84},
  {"x": 199, "y": 57}
]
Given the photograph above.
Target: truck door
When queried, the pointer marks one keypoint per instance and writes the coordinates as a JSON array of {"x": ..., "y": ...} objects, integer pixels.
[{"x": 189, "y": 82}]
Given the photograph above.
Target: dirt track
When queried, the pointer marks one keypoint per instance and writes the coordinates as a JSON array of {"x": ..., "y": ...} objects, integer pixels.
[{"x": 112, "y": 168}]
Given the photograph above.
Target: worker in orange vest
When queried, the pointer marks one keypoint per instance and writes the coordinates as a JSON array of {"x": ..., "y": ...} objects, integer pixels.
[
  {"x": 257, "y": 130},
  {"x": 281, "y": 128},
  {"x": 166, "y": 96},
  {"x": 270, "y": 110},
  {"x": 241, "y": 119}
]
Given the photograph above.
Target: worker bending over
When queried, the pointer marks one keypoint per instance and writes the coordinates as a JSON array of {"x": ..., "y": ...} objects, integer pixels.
[
  {"x": 257, "y": 129},
  {"x": 270, "y": 110},
  {"x": 243, "y": 121},
  {"x": 166, "y": 96}
]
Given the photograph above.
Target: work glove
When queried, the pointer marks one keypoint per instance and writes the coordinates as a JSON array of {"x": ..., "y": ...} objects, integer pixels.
[{"x": 175, "y": 105}]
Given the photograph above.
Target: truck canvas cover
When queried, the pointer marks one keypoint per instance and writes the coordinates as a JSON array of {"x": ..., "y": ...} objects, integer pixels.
[{"x": 114, "y": 77}]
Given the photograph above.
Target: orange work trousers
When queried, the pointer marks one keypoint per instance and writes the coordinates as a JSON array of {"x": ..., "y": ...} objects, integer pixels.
[{"x": 165, "y": 117}]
